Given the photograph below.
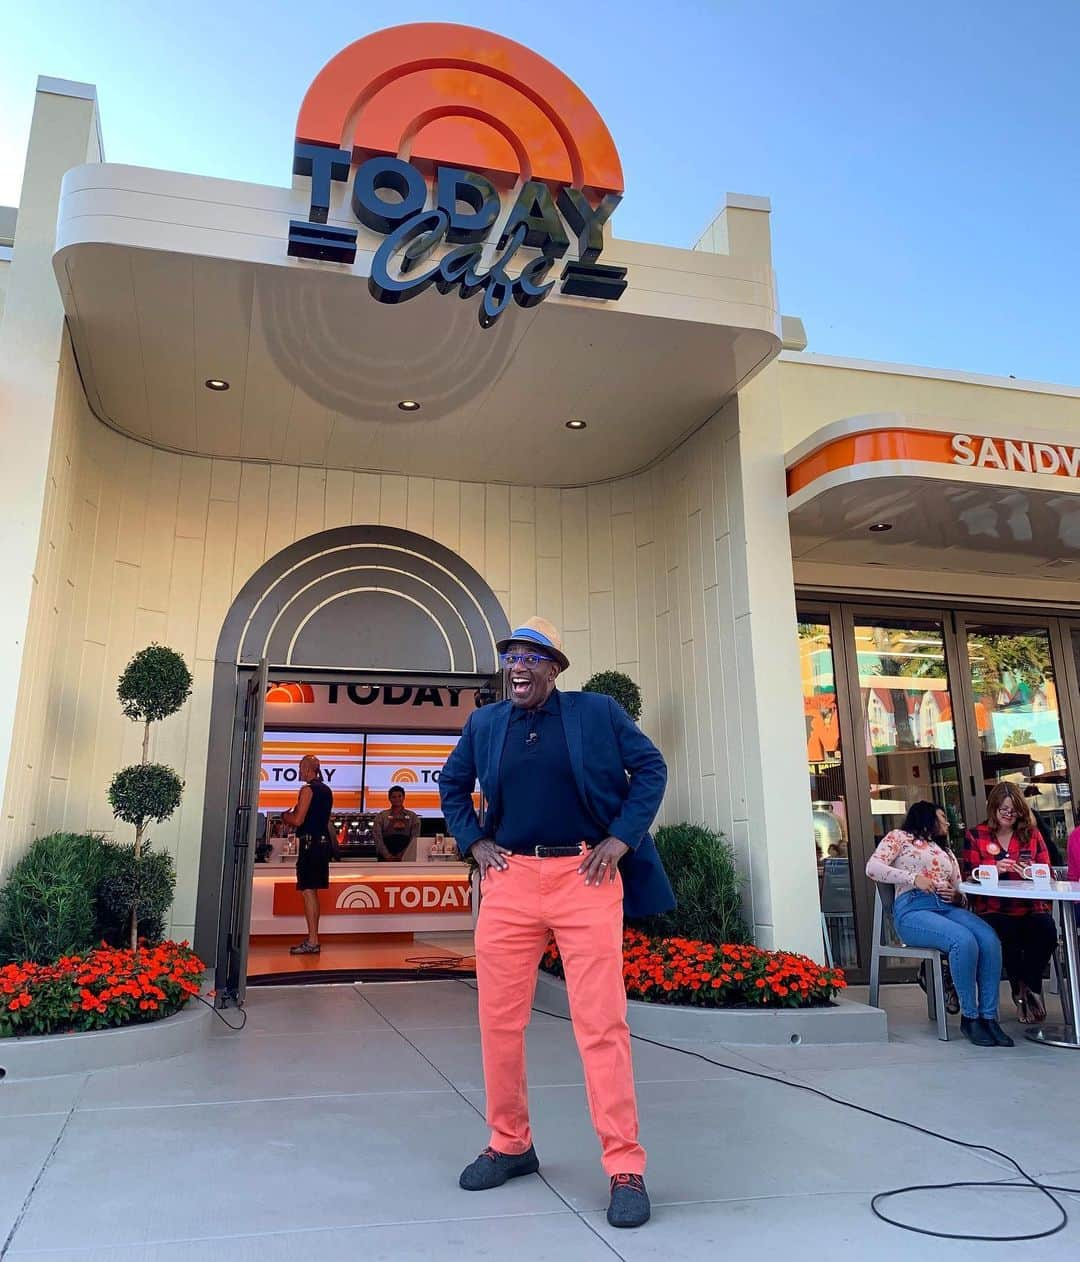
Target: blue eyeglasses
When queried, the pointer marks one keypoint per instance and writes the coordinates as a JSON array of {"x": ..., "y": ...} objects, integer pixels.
[{"x": 531, "y": 660}]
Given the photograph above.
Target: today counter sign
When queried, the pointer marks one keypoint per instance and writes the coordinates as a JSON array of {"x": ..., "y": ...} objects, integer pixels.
[{"x": 439, "y": 118}]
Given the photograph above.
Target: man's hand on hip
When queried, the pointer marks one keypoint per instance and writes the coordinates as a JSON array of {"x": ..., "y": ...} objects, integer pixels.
[
  {"x": 488, "y": 855},
  {"x": 603, "y": 860}
]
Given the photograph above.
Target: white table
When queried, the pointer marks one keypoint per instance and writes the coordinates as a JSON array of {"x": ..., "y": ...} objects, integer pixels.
[{"x": 1061, "y": 894}]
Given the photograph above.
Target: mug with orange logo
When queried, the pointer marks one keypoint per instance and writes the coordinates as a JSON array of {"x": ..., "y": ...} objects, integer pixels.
[{"x": 985, "y": 874}]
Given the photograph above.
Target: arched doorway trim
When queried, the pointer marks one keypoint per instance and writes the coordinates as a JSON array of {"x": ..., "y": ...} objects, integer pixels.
[
  {"x": 285, "y": 592},
  {"x": 367, "y": 600}
]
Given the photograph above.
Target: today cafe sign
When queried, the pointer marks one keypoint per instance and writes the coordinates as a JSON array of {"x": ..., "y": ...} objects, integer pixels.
[
  {"x": 439, "y": 121},
  {"x": 1013, "y": 456}
]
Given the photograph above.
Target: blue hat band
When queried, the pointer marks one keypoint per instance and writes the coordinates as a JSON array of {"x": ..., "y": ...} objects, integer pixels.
[{"x": 527, "y": 633}]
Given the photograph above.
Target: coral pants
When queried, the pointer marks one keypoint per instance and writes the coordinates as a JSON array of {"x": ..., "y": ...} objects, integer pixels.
[{"x": 521, "y": 907}]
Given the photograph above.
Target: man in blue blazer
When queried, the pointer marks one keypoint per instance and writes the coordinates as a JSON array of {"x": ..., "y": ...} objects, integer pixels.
[{"x": 572, "y": 786}]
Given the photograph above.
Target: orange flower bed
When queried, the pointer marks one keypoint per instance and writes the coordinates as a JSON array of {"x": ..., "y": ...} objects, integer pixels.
[
  {"x": 682, "y": 971},
  {"x": 105, "y": 987}
]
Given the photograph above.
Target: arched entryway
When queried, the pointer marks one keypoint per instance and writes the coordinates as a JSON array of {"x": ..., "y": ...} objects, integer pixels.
[{"x": 372, "y": 602}]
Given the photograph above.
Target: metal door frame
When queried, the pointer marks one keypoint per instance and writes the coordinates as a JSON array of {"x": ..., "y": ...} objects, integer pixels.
[{"x": 234, "y": 934}]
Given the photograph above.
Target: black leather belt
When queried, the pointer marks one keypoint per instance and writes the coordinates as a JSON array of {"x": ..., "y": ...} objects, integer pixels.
[{"x": 558, "y": 852}]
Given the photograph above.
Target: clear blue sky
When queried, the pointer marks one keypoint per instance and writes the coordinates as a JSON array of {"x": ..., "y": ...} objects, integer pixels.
[{"x": 922, "y": 158}]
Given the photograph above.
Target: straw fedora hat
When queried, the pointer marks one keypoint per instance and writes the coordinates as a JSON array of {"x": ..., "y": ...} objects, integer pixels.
[{"x": 543, "y": 634}]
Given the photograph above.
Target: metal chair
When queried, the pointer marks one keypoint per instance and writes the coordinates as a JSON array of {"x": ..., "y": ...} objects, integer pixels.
[{"x": 886, "y": 944}]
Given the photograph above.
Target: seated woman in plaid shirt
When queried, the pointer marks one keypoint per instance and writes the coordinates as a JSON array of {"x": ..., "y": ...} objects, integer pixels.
[
  {"x": 928, "y": 912},
  {"x": 1009, "y": 839}
]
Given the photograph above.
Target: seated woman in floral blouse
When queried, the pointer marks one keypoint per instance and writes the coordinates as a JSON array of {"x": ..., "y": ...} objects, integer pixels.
[{"x": 927, "y": 913}]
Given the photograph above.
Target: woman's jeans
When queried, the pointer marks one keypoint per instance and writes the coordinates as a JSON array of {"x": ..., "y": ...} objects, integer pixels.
[{"x": 925, "y": 920}]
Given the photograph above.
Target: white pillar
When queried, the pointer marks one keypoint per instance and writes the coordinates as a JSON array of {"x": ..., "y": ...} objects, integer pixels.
[
  {"x": 783, "y": 864},
  {"x": 64, "y": 133}
]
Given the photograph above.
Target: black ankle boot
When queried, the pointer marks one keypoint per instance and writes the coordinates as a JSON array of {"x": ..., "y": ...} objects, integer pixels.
[
  {"x": 1001, "y": 1039},
  {"x": 974, "y": 1031}
]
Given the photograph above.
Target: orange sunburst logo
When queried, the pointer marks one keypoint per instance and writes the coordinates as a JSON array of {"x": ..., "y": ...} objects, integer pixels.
[{"x": 290, "y": 694}]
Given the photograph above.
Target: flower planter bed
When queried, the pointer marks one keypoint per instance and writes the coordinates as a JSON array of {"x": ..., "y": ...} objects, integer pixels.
[
  {"x": 107, "y": 1007},
  {"x": 679, "y": 989},
  {"x": 108, "y": 986}
]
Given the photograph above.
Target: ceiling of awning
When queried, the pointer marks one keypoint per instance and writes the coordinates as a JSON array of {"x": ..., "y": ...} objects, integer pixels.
[
  {"x": 170, "y": 280},
  {"x": 940, "y": 524}
]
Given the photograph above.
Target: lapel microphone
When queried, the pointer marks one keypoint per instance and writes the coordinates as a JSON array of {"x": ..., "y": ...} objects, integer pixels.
[{"x": 531, "y": 734}]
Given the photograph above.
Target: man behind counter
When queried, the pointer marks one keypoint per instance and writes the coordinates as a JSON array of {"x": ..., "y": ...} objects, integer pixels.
[{"x": 396, "y": 829}]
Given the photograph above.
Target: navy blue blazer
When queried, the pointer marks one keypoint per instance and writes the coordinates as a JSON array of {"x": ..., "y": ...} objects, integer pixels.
[{"x": 620, "y": 775}]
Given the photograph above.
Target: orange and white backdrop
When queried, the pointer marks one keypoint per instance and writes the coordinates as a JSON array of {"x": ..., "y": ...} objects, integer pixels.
[
  {"x": 412, "y": 761},
  {"x": 340, "y": 753}
]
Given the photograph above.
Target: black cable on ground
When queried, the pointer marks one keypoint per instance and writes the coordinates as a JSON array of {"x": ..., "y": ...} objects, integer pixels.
[
  {"x": 419, "y": 970},
  {"x": 1025, "y": 1180},
  {"x": 217, "y": 1013}
]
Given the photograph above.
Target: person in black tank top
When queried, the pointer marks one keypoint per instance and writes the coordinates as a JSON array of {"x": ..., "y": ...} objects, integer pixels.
[{"x": 311, "y": 819}]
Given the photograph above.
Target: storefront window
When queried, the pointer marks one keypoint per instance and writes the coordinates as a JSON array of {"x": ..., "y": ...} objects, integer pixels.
[
  {"x": 830, "y": 818},
  {"x": 1018, "y": 724},
  {"x": 907, "y": 717}
]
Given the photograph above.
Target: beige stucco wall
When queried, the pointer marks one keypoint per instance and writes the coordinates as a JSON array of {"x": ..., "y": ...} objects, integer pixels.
[
  {"x": 664, "y": 575},
  {"x": 814, "y": 391},
  {"x": 63, "y": 133}
]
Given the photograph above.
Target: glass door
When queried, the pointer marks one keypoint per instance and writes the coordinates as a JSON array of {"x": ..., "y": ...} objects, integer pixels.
[
  {"x": 828, "y": 794},
  {"x": 902, "y": 705},
  {"x": 1019, "y": 717},
  {"x": 908, "y": 747},
  {"x": 879, "y": 688}
]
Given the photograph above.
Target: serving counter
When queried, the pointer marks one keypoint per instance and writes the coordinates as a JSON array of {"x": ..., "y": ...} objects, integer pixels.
[{"x": 364, "y": 897}]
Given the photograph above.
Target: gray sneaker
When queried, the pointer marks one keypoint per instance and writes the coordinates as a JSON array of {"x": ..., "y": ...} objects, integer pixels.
[
  {"x": 629, "y": 1205},
  {"x": 491, "y": 1169}
]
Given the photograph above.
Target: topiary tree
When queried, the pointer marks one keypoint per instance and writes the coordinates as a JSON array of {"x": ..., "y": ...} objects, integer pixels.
[
  {"x": 155, "y": 683},
  {"x": 613, "y": 683}
]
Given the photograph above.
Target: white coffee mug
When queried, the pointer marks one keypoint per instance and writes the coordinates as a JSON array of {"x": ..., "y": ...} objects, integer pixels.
[
  {"x": 1038, "y": 874},
  {"x": 985, "y": 874}
]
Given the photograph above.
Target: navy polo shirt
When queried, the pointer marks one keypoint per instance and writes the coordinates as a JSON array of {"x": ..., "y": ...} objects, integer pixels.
[{"x": 540, "y": 803}]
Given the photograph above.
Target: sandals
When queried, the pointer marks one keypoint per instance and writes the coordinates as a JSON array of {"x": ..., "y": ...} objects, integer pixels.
[
  {"x": 306, "y": 948},
  {"x": 1030, "y": 1009}
]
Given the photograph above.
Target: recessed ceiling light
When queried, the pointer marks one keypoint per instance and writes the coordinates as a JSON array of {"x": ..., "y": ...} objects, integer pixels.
[
  {"x": 409, "y": 405},
  {"x": 576, "y": 424},
  {"x": 879, "y": 527},
  {"x": 216, "y": 383}
]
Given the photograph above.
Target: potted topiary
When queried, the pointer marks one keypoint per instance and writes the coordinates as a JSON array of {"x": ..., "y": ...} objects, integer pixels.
[
  {"x": 619, "y": 686},
  {"x": 155, "y": 683}
]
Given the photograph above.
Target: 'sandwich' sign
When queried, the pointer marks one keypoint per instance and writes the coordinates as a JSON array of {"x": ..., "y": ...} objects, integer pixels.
[{"x": 1015, "y": 455}]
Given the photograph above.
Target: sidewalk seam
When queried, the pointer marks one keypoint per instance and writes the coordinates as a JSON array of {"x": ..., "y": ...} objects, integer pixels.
[{"x": 6, "y": 1246}]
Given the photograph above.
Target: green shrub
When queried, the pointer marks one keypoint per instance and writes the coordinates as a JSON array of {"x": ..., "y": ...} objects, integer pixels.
[
  {"x": 701, "y": 868},
  {"x": 146, "y": 884},
  {"x": 48, "y": 905},
  {"x": 613, "y": 683}
]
